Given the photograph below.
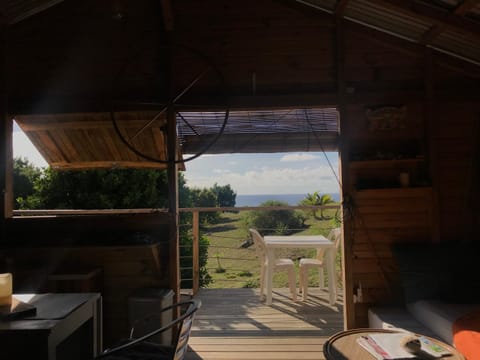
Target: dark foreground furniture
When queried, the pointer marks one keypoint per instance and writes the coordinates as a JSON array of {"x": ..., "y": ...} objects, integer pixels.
[{"x": 144, "y": 347}]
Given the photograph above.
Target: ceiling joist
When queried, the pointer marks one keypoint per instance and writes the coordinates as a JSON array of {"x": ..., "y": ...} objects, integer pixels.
[
  {"x": 431, "y": 14},
  {"x": 17, "y": 12},
  {"x": 167, "y": 14}
]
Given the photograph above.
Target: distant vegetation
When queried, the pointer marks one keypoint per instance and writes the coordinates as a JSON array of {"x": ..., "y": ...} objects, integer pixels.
[{"x": 281, "y": 222}]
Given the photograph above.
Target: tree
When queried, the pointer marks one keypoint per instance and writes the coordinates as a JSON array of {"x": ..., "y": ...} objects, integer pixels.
[
  {"x": 316, "y": 199},
  {"x": 25, "y": 175},
  {"x": 275, "y": 221},
  {"x": 205, "y": 198},
  {"x": 100, "y": 189},
  {"x": 226, "y": 197}
]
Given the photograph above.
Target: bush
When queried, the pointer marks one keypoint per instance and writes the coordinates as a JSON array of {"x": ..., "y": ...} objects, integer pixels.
[{"x": 281, "y": 222}]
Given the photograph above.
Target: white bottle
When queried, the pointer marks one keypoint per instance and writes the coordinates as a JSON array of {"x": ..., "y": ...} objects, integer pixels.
[{"x": 359, "y": 293}]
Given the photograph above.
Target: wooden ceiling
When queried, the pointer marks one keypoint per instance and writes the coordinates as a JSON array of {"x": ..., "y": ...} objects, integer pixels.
[{"x": 70, "y": 64}]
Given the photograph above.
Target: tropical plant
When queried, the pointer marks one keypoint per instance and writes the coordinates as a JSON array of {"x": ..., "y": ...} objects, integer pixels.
[
  {"x": 317, "y": 199},
  {"x": 226, "y": 197}
]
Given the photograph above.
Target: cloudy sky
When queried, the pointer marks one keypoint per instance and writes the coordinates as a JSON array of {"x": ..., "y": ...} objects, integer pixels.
[
  {"x": 22, "y": 147},
  {"x": 279, "y": 173}
]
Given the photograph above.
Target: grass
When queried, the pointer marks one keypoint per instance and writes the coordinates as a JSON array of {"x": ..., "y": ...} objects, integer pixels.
[{"x": 232, "y": 266}]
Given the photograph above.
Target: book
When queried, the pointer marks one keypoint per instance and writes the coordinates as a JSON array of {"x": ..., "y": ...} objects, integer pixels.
[
  {"x": 388, "y": 346},
  {"x": 16, "y": 309}
]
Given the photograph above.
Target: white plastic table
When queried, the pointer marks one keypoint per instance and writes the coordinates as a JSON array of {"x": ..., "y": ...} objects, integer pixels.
[{"x": 301, "y": 241}]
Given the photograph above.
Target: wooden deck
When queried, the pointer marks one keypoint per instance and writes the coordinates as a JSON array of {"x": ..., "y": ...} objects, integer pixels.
[{"x": 234, "y": 324}]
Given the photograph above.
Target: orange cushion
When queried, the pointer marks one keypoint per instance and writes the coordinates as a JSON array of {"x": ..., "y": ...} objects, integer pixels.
[{"x": 466, "y": 335}]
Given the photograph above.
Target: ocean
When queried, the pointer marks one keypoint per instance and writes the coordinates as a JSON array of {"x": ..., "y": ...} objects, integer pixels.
[{"x": 290, "y": 199}]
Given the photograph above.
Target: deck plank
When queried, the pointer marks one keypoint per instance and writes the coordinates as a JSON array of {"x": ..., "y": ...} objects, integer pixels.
[{"x": 235, "y": 324}]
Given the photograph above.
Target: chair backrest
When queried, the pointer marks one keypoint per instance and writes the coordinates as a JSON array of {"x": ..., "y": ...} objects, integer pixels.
[
  {"x": 185, "y": 329},
  {"x": 334, "y": 236},
  {"x": 182, "y": 323},
  {"x": 259, "y": 243}
]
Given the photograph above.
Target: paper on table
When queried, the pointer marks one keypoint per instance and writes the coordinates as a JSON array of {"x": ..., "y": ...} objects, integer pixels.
[
  {"x": 16, "y": 309},
  {"x": 372, "y": 348},
  {"x": 391, "y": 345},
  {"x": 384, "y": 348}
]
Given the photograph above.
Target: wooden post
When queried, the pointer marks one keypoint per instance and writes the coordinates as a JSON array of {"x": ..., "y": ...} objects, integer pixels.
[
  {"x": 172, "y": 173},
  {"x": 6, "y": 129},
  {"x": 347, "y": 254},
  {"x": 429, "y": 139},
  {"x": 196, "y": 251}
]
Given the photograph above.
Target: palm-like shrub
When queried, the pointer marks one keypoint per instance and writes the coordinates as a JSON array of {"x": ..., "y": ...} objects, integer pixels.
[{"x": 317, "y": 199}]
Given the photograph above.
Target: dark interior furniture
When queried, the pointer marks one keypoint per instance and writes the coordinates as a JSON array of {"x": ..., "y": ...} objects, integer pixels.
[
  {"x": 144, "y": 347},
  {"x": 64, "y": 326}
]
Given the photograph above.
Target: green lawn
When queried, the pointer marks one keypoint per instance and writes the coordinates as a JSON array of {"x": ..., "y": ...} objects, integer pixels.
[{"x": 232, "y": 266}]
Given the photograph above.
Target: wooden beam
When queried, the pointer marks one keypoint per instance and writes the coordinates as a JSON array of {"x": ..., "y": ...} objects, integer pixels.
[
  {"x": 432, "y": 33},
  {"x": 6, "y": 134},
  {"x": 437, "y": 29},
  {"x": 412, "y": 49},
  {"x": 55, "y": 122},
  {"x": 347, "y": 253},
  {"x": 172, "y": 175},
  {"x": 435, "y": 15},
  {"x": 41, "y": 6},
  {"x": 340, "y": 7},
  {"x": 465, "y": 7},
  {"x": 167, "y": 15},
  {"x": 107, "y": 164},
  {"x": 429, "y": 138}
]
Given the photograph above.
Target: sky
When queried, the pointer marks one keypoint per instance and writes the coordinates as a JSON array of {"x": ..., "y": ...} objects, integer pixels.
[
  {"x": 22, "y": 147},
  {"x": 247, "y": 174},
  {"x": 276, "y": 173}
]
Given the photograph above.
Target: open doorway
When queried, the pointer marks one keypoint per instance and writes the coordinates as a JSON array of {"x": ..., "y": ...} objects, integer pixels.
[{"x": 280, "y": 165}]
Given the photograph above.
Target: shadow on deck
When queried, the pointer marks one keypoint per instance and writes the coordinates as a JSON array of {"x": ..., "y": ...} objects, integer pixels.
[{"x": 235, "y": 324}]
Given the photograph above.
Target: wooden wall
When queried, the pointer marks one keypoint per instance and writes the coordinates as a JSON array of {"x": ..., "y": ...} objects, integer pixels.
[
  {"x": 456, "y": 144},
  {"x": 441, "y": 203}
]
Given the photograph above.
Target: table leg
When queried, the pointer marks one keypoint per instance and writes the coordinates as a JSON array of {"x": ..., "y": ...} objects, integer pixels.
[
  {"x": 269, "y": 274},
  {"x": 97, "y": 327},
  {"x": 332, "y": 279}
]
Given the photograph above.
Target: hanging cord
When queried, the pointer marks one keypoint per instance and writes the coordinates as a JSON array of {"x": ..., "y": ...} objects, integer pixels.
[
  {"x": 350, "y": 213},
  {"x": 323, "y": 150}
]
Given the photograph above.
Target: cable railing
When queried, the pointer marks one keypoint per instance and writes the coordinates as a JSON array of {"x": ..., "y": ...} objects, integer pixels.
[{"x": 235, "y": 264}]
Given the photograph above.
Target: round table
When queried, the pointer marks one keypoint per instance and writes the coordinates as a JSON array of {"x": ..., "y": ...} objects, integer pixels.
[{"x": 344, "y": 346}]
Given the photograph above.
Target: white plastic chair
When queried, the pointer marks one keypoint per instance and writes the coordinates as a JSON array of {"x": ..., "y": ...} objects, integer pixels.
[
  {"x": 281, "y": 264},
  {"x": 318, "y": 262}
]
